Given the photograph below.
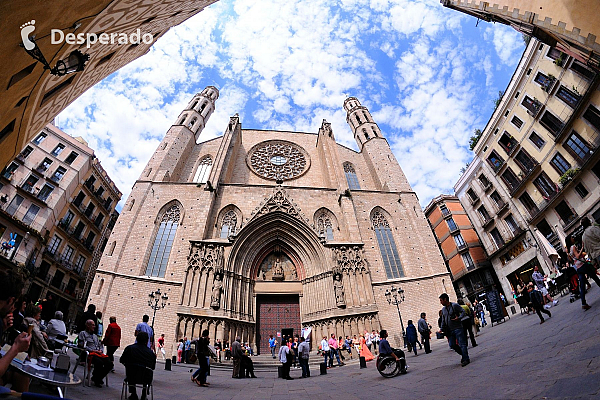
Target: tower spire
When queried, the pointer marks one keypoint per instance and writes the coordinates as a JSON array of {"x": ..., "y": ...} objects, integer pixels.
[
  {"x": 196, "y": 114},
  {"x": 361, "y": 122}
]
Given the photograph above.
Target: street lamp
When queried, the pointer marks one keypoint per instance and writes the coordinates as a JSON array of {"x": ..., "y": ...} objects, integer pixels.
[
  {"x": 396, "y": 296},
  {"x": 74, "y": 62},
  {"x": 153, "y": 299}
]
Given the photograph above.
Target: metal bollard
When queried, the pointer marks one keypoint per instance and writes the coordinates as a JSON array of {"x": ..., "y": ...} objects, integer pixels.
[{"x": 168, "y": 364}]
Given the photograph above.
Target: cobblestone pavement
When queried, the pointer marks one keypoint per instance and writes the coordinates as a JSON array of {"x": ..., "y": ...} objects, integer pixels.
[{"x": 518, "y": 359}]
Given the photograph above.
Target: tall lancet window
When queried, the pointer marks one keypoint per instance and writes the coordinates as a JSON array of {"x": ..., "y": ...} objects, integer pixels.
[
  {"x": 351, "y": 176},
  {"x": 163, "y": 242},
  {"x": 228, "y": 224},
  {"x": 203, "y": 170},
  {"x": 387, "y": 246}
]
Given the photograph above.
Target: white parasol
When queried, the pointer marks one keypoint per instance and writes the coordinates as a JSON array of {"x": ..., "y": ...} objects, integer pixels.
[{"x": 548, "y": 251}]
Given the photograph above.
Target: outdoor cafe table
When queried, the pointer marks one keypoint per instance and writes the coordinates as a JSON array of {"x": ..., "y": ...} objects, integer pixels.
[{"x": 59, "y": 379}]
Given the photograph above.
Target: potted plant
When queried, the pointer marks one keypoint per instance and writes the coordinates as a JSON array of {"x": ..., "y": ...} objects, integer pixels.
[{"x": 568, "y": 176}]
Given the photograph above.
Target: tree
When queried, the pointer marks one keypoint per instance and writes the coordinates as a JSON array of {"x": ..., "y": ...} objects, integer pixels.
[
  {"x": 498, "y": 99},
  {"x": 475, "y": 138},
  {"x": 526, "y": 38}
]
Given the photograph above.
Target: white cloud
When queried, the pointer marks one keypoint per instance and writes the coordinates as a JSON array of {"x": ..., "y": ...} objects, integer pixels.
[{"x": 289, "y": 64}]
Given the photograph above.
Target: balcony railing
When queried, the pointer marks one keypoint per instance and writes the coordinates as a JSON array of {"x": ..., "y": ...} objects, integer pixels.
[
  {"x": 473, "y": 200},
  {"x": 462, "y": 247},
  {"x": 486, "y": 221},
  {"x": 502, "y": 206}
]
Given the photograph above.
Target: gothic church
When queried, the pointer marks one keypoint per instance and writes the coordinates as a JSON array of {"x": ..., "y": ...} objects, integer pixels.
[{"x": 266, "y": 232}]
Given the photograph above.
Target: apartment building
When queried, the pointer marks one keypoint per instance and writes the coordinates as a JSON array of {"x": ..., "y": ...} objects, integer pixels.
[
  {"x": 536, "y": 164},
  {"x": 472, "y": 273},
  {"x": 57, "y": 208}
]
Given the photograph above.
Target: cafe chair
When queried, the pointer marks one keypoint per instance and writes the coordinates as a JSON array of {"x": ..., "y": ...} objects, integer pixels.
[
  {"x": 142, "y": 376},
  {"x": 86, "y": 361}
]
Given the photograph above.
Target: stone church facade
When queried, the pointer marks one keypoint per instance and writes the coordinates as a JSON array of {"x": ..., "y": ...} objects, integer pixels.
[{"x": 264, "y": 232}]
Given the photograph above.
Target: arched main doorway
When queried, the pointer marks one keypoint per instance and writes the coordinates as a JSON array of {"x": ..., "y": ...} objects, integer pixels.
[
  {"x": 286, "y": 266},
  {"x": 277, "y": 289}
]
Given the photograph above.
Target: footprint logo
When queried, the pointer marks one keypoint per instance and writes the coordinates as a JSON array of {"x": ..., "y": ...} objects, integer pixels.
[{"x": 26, "y": 29}]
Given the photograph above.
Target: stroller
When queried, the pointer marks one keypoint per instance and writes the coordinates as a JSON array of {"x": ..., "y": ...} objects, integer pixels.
[{"x": 573, "y": 285}]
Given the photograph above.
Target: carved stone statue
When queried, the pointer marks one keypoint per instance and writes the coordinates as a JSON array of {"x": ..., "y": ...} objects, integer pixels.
[
  {"x": 338, "y": 289},
  {"x": 278, "y": 271},
  {"x": 215, "y": 298}
]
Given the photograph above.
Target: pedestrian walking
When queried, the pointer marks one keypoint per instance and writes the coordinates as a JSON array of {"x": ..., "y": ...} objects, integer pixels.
[
  {"x": 202, "y": 352},
  {"x": 537, "y": 301},
  {"x": 144, "y": 327},
  {"x": 479, "y": 310},
  {"x": 161, "y": 345},
  {"x": 591, "y": 240},
  {"x": 539, "y": 280},
  {"x": 333, "y": 350},
  {"x": 451, "y": 326},
  {"x": 180, "y": 347},
  {"x": 187, "y": 349},
  {"x": 325, "y": 350},
  {"x": 272, "y": 345},
  {"x": 285, "y": 357},
  {"x": 467, "y": 322},
  {"x": 303, "y": 355},
  {"x": 411, "y": 336},
  {"x": 236, "y": 355},
  {"x": 425, "y": 331},
  {"x": 348, "y": 344},
  {"x": 583, "y": 267},
  {"x": 112, "y": 339}
]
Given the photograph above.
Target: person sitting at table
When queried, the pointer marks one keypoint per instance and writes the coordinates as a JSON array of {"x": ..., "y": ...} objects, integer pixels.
[
  {"x": 88, "y": 340},
  {"x": 56, "y": 327},
  {"x": 135, "y": 357},
  {"x": 11, "y": 287},
  {"x": 33, "y": 316}
]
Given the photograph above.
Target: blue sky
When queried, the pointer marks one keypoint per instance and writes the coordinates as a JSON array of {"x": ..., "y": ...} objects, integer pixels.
[{"x": 428, "y": 75}]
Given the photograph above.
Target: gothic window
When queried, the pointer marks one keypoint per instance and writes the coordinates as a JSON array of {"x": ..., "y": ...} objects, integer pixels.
[
  {"x": 203, "y": 170},
  {"x": 192, "y": 123},
  {"x": 324, "y": 225},
  {"x": 228, "y": 225},
  {"x": 157, "y": 264},
  {"x": 366, "y": 134},
  {"x": 194, "y": 105},
  {"x": 374, "y": 131},
  {"x": 351, "y": 176},
  {"x": 357, "y": 119},
  {"x": 387, "y": 246},
  {"x": 182, "y": 119}
]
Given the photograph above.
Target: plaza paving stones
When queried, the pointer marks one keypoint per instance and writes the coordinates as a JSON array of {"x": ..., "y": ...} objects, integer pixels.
[{"x": 518, "y": 359}]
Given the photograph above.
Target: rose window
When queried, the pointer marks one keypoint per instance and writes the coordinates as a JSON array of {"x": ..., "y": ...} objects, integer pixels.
[{"x": 278, "y": 160}]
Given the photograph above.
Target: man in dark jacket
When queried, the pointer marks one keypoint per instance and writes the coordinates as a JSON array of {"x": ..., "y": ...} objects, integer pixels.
[
  {"x": 425, "y": 331},
  {"x": 451, "y": 325},
  {"x": 537, "y": 301},
  {"x": 136, "y": 357}
]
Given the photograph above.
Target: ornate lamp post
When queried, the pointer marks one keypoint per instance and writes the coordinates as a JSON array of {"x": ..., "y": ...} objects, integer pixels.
[
  {"x": 396, "y": 296},
  {"x": 153, "y": 299}
]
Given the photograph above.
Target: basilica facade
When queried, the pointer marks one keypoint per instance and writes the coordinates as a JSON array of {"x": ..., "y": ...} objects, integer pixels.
[{"x": 259, "y": 233}]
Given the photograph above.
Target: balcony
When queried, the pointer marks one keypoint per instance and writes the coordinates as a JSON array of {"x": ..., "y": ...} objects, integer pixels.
[
  {"x": 502, "y": 207},
  {"x": 473, "y": 201},
  {"x": 549, "y": 84},
  {"x": 463, "y": 247},
  {"x": 517, "y": 232},
  {"x": 446, "y": 213},
  {"x": 486, "y": 221},
  {"x": 486, "y": 187},
  {"x": 534, "y": 108},
  {"x": 455, "y": 229},
  {"x": 525, "y": 178}
]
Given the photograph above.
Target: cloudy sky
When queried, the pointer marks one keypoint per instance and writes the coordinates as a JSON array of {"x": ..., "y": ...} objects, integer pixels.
[{"x": 428, "y": 75}]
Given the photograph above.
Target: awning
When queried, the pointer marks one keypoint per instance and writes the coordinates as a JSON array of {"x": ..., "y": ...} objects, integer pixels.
[{"x": 549, "y": 253}]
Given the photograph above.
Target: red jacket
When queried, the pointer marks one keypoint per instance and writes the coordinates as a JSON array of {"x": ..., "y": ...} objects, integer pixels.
[{"x": 112, "y": 336}]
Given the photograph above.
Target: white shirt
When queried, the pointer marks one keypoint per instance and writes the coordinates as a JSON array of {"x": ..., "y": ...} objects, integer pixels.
[
  {"x": 283, "y": 352},
  {"x": 324, "y": 345}
]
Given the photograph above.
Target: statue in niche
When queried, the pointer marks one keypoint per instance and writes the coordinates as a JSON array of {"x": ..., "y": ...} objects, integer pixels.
[
  {"x": 278, "y": 274},
  {"x": 338, "y": 289},
  {"x": 294, "y": 274},
  {"x": 215, "y": 298}
]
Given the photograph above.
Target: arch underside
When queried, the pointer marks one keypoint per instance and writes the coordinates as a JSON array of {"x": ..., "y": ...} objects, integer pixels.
[{"x": 319, "y": 306}]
